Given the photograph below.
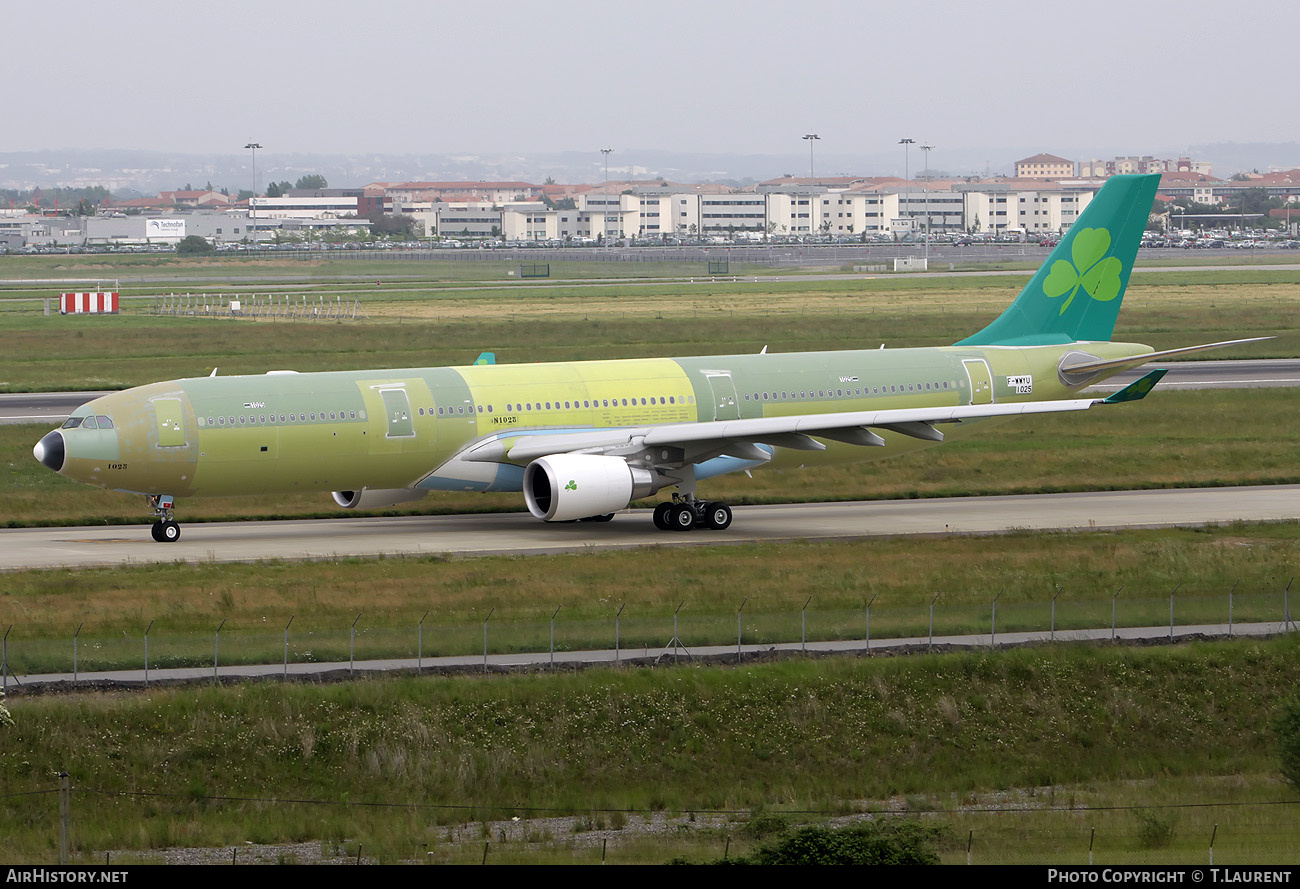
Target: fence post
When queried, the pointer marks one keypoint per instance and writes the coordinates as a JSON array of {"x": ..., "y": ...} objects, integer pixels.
[
  {"x": 803, "y": 626},
  {"x": 352, "y": 642},
  {"x": 739, "y": 611},
  {"x": 286, "y": 644},
  {"x": 419, "y": 642},
  {"x": 1286, "y": 606},
  {"x": 216, "y": 648},
  {"x": 74, "y": 651},
  {"x": 557, "y": 611},
  {"x": 1059, "y": 590},
  {"x": 146, "y": 653},
  {"x": 65, "y": 816},
  {"x": 1213, "y": 834},
  {"x": 930, "y": 646},
  {"x": 1171, "y": 609},
  {"x": 873, "y": 599},
  {"x": 617, "y": 617},
  {"x": 1112, "y": 611},
  {"x": 485, "y": 623},
  {"x": 993, "y": 633},
  {"x": 1230, "y": 592}
]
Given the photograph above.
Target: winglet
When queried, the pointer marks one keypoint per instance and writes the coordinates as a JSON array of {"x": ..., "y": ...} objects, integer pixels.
[
  {"x": 1138, "y": 389},
  {"x": 486, "y": 358}
]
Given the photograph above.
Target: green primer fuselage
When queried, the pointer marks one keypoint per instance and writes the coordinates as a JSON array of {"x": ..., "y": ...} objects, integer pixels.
[{"x": 348, "y": 430}]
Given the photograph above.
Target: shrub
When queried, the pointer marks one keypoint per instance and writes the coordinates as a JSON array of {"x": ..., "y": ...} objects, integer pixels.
[{"x": 1286, "y": 727}]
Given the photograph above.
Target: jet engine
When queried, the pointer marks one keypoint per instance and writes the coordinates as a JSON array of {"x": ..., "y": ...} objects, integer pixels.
[
  {"x": 373, "y": 498},
  {"x": 564, "y": 487}
]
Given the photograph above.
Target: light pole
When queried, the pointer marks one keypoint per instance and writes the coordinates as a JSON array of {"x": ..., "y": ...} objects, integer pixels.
[
  {"x": 926, "y": 149},
  {"x": 810, "y": 139},
  {"x": 906, "y": 143},
  {"x": 605, "y": 214},
  {"x": 252, "y": 201}
]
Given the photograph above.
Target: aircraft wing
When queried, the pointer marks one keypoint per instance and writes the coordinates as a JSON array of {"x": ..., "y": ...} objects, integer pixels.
[{"x": 738, "y": 438}]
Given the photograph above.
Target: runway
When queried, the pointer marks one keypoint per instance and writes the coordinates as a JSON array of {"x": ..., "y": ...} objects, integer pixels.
[{"x": 519, "y": 533}]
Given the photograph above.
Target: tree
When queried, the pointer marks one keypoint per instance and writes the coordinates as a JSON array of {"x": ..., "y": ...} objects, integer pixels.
[
  {"x": 1286, "y": 728},
  {"x": 277, "y": 189},
  {"x": 193, "y": 245},
  {"x": 872, "y": 842},
  {"x": 397, "y": 225},
  {"x": 311, "y": 180}
]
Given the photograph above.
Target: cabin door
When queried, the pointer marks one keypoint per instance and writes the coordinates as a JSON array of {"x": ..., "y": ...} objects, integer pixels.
[
  {"x": 397, "y": 407},
  {"x": 981, "y": 380},
  {"x": 170, "y": 418},
  {"x": 725, "y": 403}
]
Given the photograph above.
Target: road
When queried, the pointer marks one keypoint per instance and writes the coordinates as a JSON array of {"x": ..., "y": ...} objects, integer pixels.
[
  {"x": 519, "y": 533},
  {"x": 54, "y": 407}
]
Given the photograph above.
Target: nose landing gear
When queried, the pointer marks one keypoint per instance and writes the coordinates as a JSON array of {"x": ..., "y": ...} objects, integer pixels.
[{"x": 165, "y": 529}]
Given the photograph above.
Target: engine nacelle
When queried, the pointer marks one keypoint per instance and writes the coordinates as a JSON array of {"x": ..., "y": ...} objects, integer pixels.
[
  {"x": 373, "y": 498},
  {"x": 563, "y": 487}
]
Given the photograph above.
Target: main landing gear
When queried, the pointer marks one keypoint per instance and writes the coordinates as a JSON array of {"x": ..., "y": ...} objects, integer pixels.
[
  {"x": 687, "y": 514},
  {"x": 165, "y": 529}
]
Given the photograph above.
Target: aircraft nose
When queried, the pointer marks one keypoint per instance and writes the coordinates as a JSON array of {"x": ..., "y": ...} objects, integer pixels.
[{"x": 50, "y": 451}]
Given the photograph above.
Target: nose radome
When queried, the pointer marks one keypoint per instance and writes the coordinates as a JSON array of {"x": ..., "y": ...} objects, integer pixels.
[{"x": 50, "y": 451}]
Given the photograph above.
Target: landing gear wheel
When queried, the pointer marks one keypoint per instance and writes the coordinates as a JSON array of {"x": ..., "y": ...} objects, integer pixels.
[
  {"x": 717, "y": 516},
  {"x": 682, "y": 517},
  {"x": 661, "y": 515},
  {"x": 166, "y": 531}
]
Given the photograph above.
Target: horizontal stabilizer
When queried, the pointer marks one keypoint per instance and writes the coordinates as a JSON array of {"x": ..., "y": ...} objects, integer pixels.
[
  {"x": 1138, "y": 389},
  {"x": 1138, "y": 360}
]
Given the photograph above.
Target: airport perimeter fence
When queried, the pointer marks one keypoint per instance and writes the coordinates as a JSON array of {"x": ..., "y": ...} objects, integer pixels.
[
  {"x": 636, "y": 634},
  {"x": 1045, "y": 827}
]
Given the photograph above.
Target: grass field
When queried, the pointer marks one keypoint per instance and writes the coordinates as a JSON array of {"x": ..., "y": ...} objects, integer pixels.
[
  {"x": 1052, "y": 742},
  {"x": 389, "y": 764},
  {"x": 184, "y": 604},
  {"x": 420, "y": 326}
]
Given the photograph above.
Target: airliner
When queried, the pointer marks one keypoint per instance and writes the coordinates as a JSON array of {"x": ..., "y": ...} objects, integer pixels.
[{"x": 582, "y": 439}]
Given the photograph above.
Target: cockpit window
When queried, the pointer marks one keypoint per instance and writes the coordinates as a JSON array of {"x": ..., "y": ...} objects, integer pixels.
[
  {"x": 90, "y": 423},
  {"x": 72, "y": 422},
  {"x": 104, "y": 422}
]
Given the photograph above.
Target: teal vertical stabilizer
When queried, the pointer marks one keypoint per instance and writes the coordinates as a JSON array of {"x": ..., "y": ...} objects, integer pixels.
[{"x": 1077, "y": 293}]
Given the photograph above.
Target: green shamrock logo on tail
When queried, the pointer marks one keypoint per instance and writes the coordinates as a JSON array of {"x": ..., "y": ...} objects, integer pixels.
[
  {"x": 1098, "y": 277},
  {"x": 572, "y": 485}
]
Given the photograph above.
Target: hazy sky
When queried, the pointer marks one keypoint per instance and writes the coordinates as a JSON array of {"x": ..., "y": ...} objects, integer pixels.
[{"x": 399, "y": 76}]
